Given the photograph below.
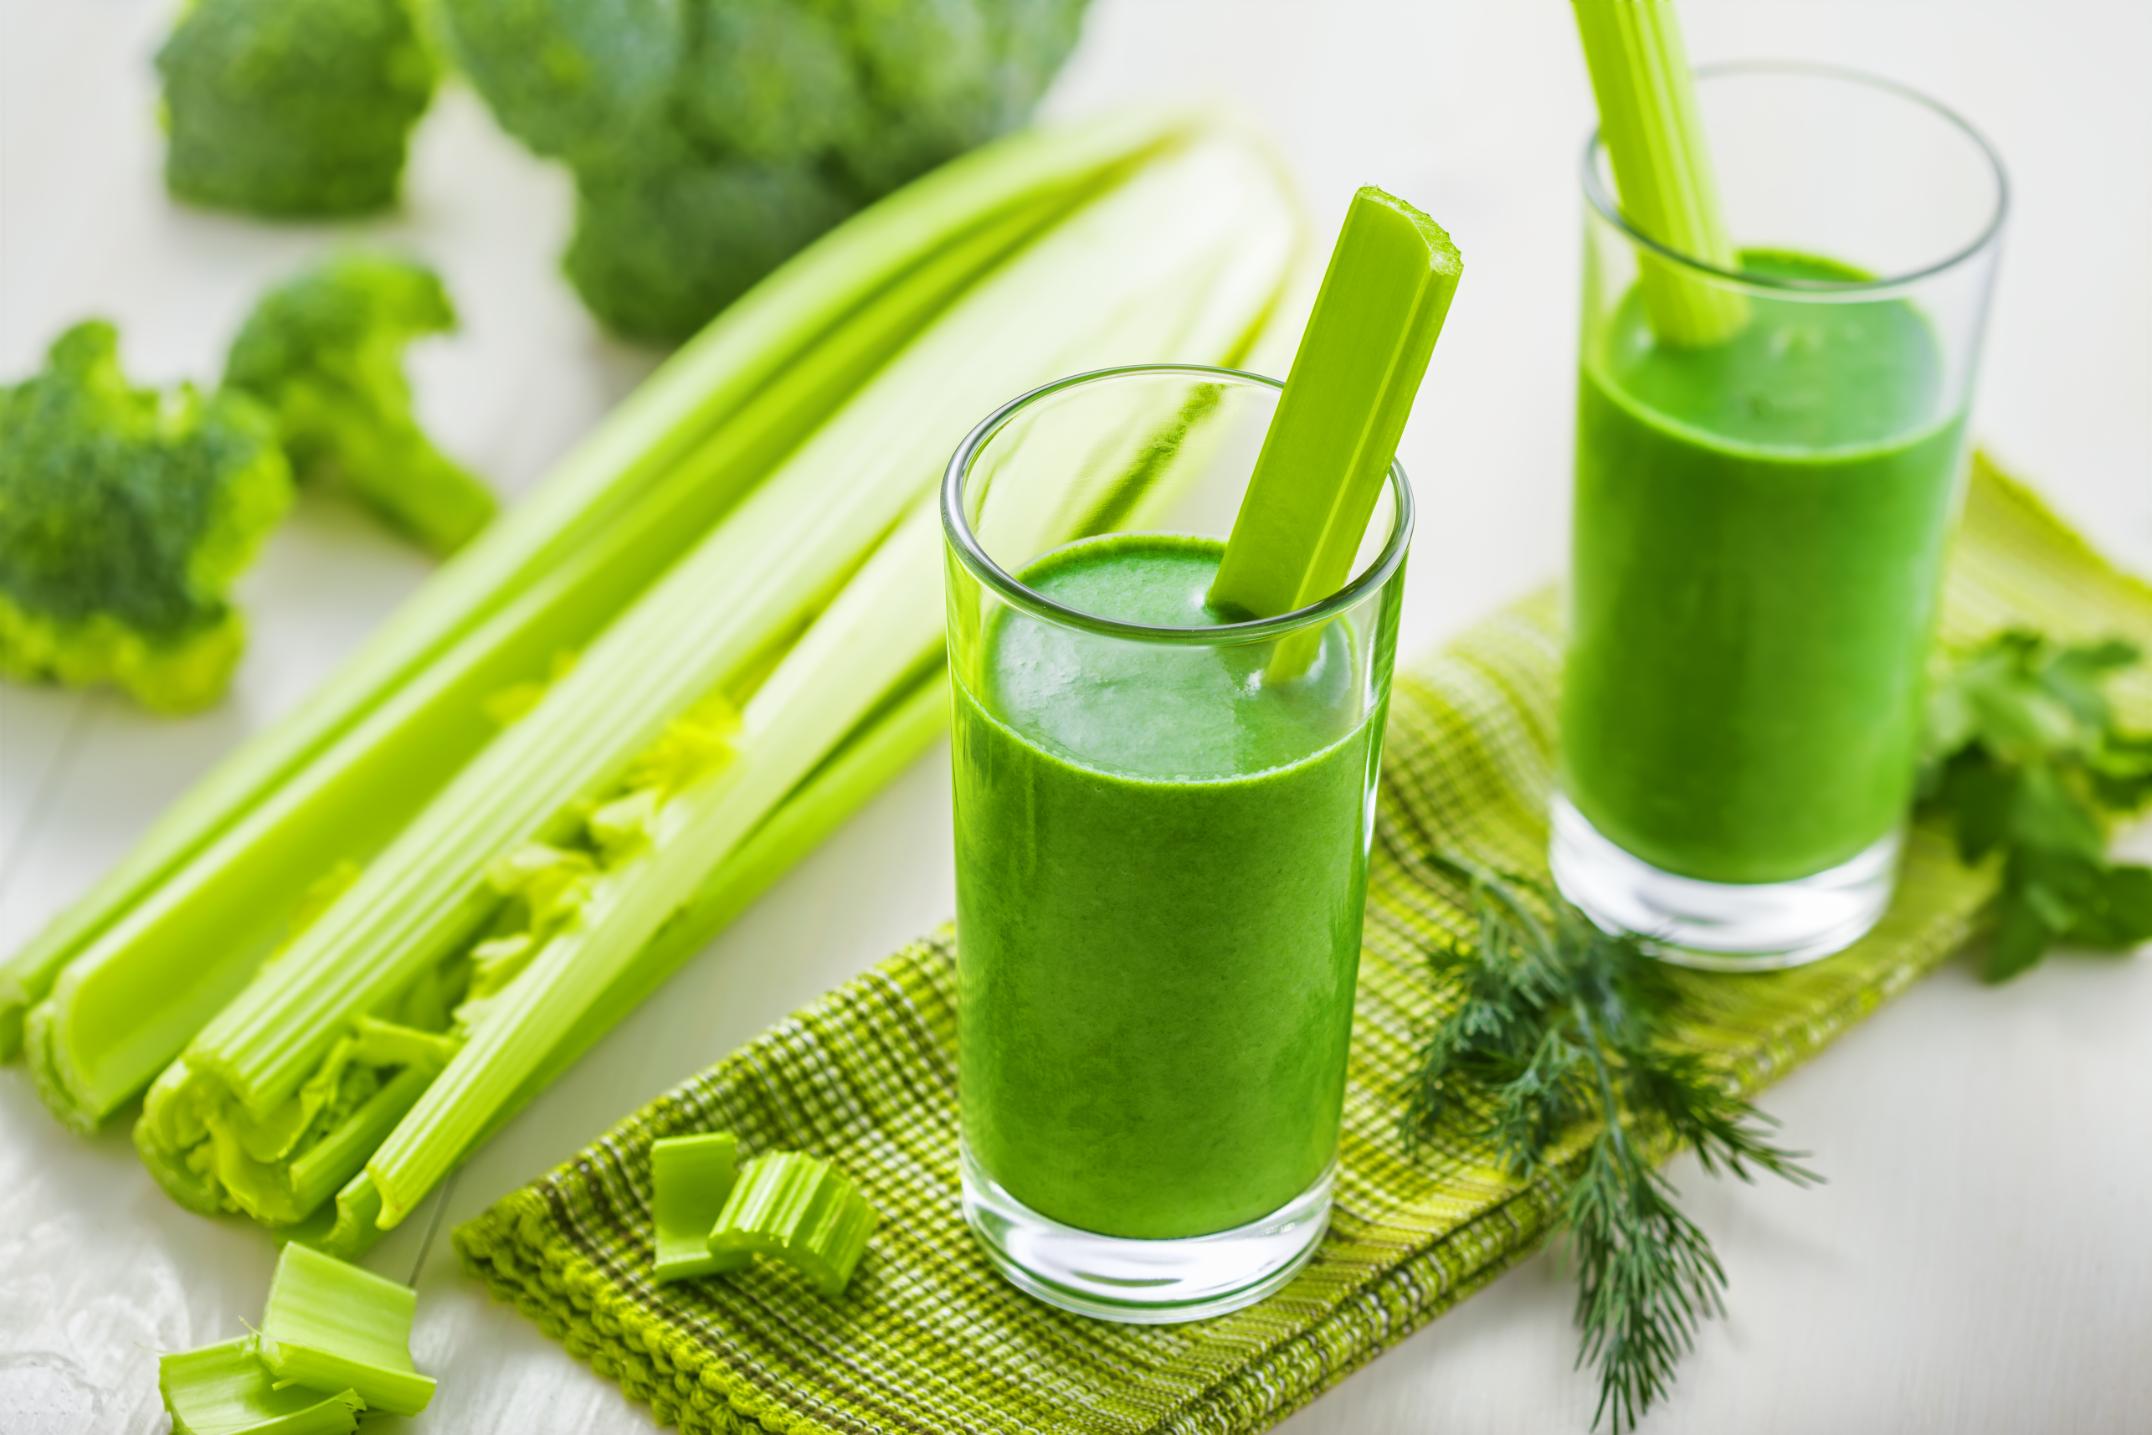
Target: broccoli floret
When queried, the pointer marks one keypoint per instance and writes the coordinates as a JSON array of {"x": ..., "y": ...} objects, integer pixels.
[
  {"x": 324, "y": 351},
  {"x": 283, "y": 108},
  {"x": 711, "y": 139},
  {"x": 658, "y": 241},
  {"x": 125, "y": 514}
]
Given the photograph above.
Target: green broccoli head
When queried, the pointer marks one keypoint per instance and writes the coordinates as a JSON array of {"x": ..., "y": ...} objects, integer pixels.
[
  {"x": 711, "y": 139},
  {"x": 125, "y": 514},
  {"x": 657, "y": 244},
  {"x": 280, "y": 108},
  {"x": 324, "y": 352}
]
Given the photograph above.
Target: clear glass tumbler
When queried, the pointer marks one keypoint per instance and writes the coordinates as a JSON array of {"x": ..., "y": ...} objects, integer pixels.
[
  {"x": 1761, "y": 517},
  {"x": 1163, "y": 815}
]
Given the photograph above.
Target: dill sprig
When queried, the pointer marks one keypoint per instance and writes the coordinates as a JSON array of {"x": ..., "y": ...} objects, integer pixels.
[{"x": 1561, "y": 1026}]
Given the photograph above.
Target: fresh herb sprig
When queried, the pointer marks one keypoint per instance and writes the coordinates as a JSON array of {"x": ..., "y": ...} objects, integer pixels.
[
  {"x": 1562, "y": 1025},
  {"x": 2027, "y": 763}
]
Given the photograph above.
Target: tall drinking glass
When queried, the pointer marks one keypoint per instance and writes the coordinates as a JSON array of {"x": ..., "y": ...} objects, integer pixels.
[
  {"x": 1163, "y": 815},
  {"x": 1760, "y": 521}
]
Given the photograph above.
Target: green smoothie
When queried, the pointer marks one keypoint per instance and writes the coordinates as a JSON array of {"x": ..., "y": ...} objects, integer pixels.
[
  {"x": 1161, "y": 866},
  {"x": 1758, "y": 544}
]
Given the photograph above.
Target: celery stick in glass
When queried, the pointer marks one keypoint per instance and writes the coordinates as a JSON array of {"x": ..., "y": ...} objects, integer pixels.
[{"x": 1654, "y": 140}]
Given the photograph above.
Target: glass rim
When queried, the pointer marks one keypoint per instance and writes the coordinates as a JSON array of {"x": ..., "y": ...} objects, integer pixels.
[
  {"x": 956, "y": 528},
  {"x": 1608, "y": 209}
]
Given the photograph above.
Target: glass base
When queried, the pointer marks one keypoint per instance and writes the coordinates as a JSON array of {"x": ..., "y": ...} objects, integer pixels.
[
  {"x": 1144, "y": 1282},
  {"x": 1721, "y": 926}
]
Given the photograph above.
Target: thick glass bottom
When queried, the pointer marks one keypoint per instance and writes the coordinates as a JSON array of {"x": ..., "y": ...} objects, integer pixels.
[
  {"x": 1144, "y": 1282},
  {"x": 1721, "y": 926}
]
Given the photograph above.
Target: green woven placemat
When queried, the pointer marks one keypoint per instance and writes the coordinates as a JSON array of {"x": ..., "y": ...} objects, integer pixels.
[{"x": 929, "y": 1340}]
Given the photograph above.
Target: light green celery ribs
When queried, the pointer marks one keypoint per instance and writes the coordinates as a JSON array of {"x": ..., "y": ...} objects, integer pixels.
[
  {"x": 324, "y": 352},
  {"x": 291, "y": 110},
  {"x": 125, "y": 516},
  {"x": 549, "y": 885},
  {"x": 148, "y": 956}
]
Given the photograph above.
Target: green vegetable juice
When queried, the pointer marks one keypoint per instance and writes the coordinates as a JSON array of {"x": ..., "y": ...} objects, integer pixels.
[
  {"x": 1758, "y": 544},
  {"x": 1162, "y": 862}
]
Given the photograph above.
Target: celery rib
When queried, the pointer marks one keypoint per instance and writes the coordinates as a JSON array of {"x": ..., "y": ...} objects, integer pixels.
[
  {"x": 883, "y": 623},
  {"x": 772, "y": 337},
  {"x": 1182, "y": 255}
]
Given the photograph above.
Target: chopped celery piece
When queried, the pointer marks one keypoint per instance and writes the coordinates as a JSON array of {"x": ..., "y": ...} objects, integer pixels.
[
  {"x": 226, "y": 1390},
  {"x": 332, "y": 1326},
  {"x": 801, "y": 1211},
  {"x": 690, "y": 1177},
  {"x": 706, "y": 426},
  {"x": 1654, "y": 140},
  {"x": 1334, "y": 436}
]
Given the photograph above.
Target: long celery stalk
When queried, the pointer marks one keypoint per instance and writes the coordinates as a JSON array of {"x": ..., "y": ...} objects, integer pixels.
[
  {"x": 884, "y": 623},
  {"x": 1095, "y": 283},
  {"x": 648, "y": 443},
  {"x": 130, "y": 999},
  {"x": 1654, "y": 138}
]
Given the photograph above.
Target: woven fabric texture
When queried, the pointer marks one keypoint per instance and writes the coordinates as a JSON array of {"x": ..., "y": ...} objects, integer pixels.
[{"x": 928, "y": 1340}]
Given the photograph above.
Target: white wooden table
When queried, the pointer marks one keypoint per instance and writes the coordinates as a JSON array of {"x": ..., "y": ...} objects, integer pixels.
[{"x": 1981, "y": 1259}]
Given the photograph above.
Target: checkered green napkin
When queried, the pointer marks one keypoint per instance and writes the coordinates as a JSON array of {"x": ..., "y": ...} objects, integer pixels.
[{"x": 928, "y": 1340}]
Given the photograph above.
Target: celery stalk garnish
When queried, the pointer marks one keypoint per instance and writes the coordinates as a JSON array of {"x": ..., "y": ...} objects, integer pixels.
[
  {"x": 800, "y": 1211},
  {"x": 690, "y": 1177},
  {"x": 1654, "y": 140},
  {"x": 226, "y": 1390},
  {"x": 332, "y": 1326},
  {"x": 1329, "y": 449}
]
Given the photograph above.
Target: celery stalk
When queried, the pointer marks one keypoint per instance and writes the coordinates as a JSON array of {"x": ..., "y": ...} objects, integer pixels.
[
  {"x": 332, "y": 1326},
  {"x": 1058, "y": 304},
  {"x": 882, "y": 625},
  {"x": 1654, "y": 138},
  {"x": 134, "y": 994},
  {"x": 780, "y": 553},
  {"x": 883, "y": 262},
  {"x": 690, "y": 1177},
  {"x": 1347, "y": 397},
  {"x": 226, "y": 1390}
]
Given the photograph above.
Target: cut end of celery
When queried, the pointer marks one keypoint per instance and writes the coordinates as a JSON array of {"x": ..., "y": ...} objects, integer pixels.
[
  {"x": 329, "y": 1325},
  {"x": 1333, "y": 440},
  {"x": 690, "y": 1177},
  {"x": 800, "y": 1211},
  {"x": 226, "y": 1390}
]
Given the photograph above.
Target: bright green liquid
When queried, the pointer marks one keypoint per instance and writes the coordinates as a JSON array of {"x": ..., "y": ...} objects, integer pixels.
[
  {"x": 1757, "y": 554},
  {"x": 1161, "y": 866}
]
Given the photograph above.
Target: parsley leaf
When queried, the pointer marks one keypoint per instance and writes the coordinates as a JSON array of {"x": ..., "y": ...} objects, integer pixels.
[{"x": 2027, "y": 766}]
